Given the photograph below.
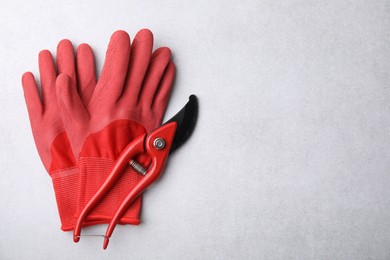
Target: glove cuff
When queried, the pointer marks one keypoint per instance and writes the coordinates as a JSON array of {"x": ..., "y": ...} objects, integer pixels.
[
  {"x": 93, "y": 173},
  {"x": 65, "y": 183}
]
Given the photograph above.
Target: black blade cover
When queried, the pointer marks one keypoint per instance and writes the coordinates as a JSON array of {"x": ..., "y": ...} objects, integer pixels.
[{"x": 186, "y": 120}]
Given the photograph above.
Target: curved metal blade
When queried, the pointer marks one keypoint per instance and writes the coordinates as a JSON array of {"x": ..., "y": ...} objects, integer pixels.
[{"x": 186, "y": 120}]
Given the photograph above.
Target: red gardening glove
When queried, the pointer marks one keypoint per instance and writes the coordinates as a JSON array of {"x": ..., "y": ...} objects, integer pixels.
[
  {"x": 47, "y": 127},
  {"x": 130, "y": 99}
]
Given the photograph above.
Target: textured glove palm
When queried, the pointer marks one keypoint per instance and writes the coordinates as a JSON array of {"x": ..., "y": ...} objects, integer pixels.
[{"x": 47, "y": 126}]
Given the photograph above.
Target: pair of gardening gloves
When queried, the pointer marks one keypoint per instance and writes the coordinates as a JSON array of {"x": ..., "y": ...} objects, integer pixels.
[{"x": 81, "y": 125}]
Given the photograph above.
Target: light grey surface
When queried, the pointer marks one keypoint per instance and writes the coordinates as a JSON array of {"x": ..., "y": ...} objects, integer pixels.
[{"x": 291, "y": 155}]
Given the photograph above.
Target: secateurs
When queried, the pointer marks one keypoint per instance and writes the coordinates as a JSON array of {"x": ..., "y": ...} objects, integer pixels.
[{"x": 157, "y": 144}]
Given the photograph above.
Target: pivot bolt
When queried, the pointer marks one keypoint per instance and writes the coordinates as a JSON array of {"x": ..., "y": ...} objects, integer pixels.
[{"x": 159, "y": 143}]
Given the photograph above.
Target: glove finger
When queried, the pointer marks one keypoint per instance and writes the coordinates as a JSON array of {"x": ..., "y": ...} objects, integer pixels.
[
  {"x": 157, "y": 66},
  {"x": 69, "y": 103},
  {"x": 47, "y": 72},
  {"x": 65, "y": 59},
  {"x": 112, "y": 78},
  {"x": 163, "y": 93},
  {"x": 141, "y": 52},
  {"x": 86, "y": 74},
  {"x": 31, "y": 95}
]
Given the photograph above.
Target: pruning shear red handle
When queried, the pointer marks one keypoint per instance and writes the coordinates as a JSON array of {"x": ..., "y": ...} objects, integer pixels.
[{"x": 157, "y": 144}]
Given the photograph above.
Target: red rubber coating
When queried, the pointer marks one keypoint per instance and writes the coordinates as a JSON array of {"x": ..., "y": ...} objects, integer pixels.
[{"x": 159, "y": 157}]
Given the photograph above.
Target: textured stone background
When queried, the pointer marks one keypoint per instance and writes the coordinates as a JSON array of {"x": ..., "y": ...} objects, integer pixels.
[{"x": 291, "y": 155}]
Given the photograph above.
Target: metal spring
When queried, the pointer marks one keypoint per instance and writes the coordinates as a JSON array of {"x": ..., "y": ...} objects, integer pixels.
[{"x": 138, "y": 167}]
